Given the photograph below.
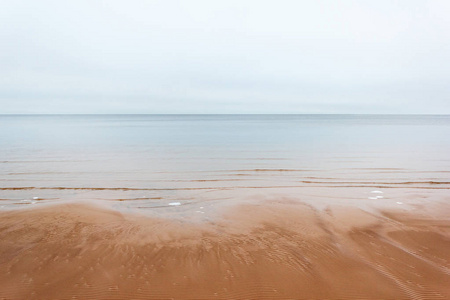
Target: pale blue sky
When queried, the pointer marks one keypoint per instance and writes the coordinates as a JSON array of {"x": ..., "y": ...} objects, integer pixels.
[{"x": 110, "y": 56}]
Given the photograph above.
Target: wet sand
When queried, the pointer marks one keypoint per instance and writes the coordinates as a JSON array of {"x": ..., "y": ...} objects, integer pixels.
[{"x": 279, "y": 249}]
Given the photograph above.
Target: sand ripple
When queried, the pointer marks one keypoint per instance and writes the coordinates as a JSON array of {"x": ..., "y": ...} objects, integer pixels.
[{"x": 279, "y": 250}]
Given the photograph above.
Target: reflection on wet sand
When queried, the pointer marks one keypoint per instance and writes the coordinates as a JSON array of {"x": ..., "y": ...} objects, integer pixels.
[{"x": 271, "y": 250}]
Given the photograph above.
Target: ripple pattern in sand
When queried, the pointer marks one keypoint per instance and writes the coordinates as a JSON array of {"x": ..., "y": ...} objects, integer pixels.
[{"x": 279, "y": 250}]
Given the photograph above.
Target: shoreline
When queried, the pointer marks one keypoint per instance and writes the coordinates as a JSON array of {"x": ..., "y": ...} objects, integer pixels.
[{"x": 276, "y": 249}]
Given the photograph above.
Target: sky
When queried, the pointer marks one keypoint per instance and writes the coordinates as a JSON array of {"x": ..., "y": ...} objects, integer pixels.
[{"x": 254, "y": 56}]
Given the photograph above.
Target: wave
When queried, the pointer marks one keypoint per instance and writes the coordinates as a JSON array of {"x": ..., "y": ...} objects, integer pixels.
[
  {"x": 373, "y": 182},
  {"x": 413, "y": 184}
]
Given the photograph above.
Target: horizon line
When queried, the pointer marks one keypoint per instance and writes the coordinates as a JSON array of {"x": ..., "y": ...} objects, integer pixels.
[{"x": 219, "y": 114}]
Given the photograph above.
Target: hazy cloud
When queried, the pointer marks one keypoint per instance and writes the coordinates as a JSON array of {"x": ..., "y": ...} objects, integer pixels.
[{"x": 225, "y": 56}]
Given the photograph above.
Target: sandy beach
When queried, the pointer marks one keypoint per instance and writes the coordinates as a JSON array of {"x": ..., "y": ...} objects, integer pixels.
[
  {"x": 224, "y": 207},
  {"x": 225, "y": 150},
  {"x": 279, "y": 249}
]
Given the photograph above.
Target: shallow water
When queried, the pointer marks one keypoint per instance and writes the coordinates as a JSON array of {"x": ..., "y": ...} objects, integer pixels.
[{"x": 150, "y": 161}]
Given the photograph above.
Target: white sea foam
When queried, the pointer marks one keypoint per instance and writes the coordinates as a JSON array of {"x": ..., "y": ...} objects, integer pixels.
[{"x": 174, "y": 203}]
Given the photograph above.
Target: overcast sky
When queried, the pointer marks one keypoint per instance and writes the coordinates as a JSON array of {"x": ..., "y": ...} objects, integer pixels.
[{"x": 111, "y": 56}]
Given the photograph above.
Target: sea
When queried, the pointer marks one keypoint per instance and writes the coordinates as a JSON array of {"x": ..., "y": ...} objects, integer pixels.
[{"x": 191, "y": 165}]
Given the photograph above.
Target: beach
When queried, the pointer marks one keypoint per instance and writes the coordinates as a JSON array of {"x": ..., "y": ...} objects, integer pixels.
[
  {"x": 276, "y": 249},
  {"x": 224, "y": 207},
  {"x": 230, "y": 150}
]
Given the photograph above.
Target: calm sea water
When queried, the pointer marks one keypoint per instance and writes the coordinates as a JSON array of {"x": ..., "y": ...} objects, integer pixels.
[{"x": 162, "y": 163}]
